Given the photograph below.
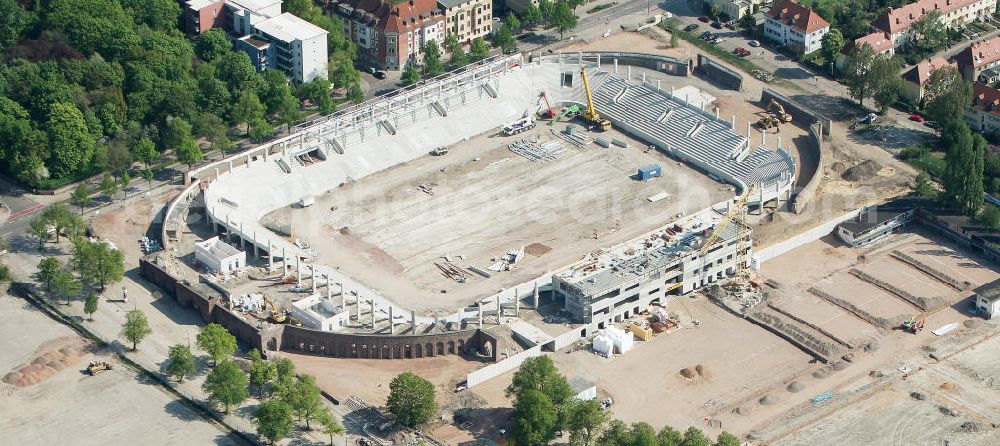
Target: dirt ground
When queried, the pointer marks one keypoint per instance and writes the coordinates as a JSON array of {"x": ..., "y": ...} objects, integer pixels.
[{"x": 487, "y": 200}]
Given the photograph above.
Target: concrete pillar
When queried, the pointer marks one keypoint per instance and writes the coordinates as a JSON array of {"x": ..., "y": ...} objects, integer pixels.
[
  {"x": 230, "y": 165},
  {"x": 778, "y": 144},
  {"x": 216, "y": 172},
  {"x": 392, "y": 323},
  {"x": 373, "y": 313},
  {"x": 616, "y": 66},
  {"x": 243, "y": 236},
  {"x": 763, "y": 137},
  {"x": 644, "y": 78},
  {"x": 413, "y": 320},
  {"x": 598, "y": 61},
  {"x": 284, "y": 262},
  {"x": 629, "y": 74},
  {"x": 329, "y": 290},
  {"x": 499, "y": 311},
  {"x": 256, "y": 252},
  {"x": 657, "y": 85},
  {"x": 534, "y": 296},
  {"x": 479, "y": 308},
  {"x": 671, "y": 91},
  {"x": 312, "y": 277},
  {"x": 357, "y": 311},
  {"x": 298, "y": 271},
  {"x": 716, "y": 113},
  {"x": 517, "y": 304},
  {"x": 270, "y": 256},
  {"x": 734, "y": 123},
  {"x": 748, "y": 131}
]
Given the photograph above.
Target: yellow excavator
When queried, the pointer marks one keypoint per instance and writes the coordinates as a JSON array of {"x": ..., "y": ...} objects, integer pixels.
[
  {"x": 278, "y": 317},
  {"x": 778, "y": 111},
  {"x": 590, "y": 114}
]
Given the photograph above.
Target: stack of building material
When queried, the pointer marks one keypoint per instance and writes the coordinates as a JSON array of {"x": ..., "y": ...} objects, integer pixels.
[{"x": 613, "y": 340}]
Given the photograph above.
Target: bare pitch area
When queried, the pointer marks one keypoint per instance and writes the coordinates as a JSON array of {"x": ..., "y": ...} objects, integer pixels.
[{"x": 481, "y": 201}]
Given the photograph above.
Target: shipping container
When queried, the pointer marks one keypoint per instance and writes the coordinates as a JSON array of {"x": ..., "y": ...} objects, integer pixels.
[{"x": 649, "y": 172}]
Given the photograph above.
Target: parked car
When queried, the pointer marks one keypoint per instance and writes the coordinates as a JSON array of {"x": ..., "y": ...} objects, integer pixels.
[
  {"x": 742, "y": 52},
  {"x": 916, "y": 117},
  {"x": 376, "y": 73},
  {"x": 753, "y": 43},
  {"x": 931, "y": 124},
  {"x": 692, "y": 27},
  {"x": 704, "y": 19},
  {"x": 706, "y": 35},
  {"x": 716, "y": 25},
  {"x": 730, "y": 25}
]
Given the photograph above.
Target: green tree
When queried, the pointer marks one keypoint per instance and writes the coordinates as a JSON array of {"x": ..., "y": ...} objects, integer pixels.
[
  {"x": 512, "y": 21},
  {"x": 331, "y": 426},
  {"x": 212, "y": 45},
  {"x": 531, "y": 15},
  {"x": 410, "y": 75},
  {"x": 411, "y": 399},
  {"x": 226, "y": 384},
  {"x": 478, "y": 50},
  {"x": 47, "y": 270},
  {"x": 963, "y": 176},
  {"x": 285, "y": 368},
  {"x": 563, "y": 18},
  {"x": 64, "y": 285},
  {"x": 109, "y": 186},
  {"x": 642, "y": 434},
  {"x": 70, "y": 141},
  {"x": 856, "y": 72},
  {"x": 148, "y": 176},
  {"x": 727, "y": 439},
  {"x": 885, "y": 82},
  {"x": 247, "y": 109},
  {"x": 273, "y": 419},
  {"x": 546, "y": 9},
  {"x": 922, "y": 185},
  {"x": 145, "y": 151},
  {"x": 946, "y": 96},
  {"x": 97, "y": 261},
  {"x": 929, "y": 33},
  {"x": 189, "y": 152},
  {"x": 288, "y": 109},
  {"x": 135, "y": 328},
  {"x": 217, "y": 341},
  {"x": 81, "y": 196},
  {"x": 451, "y": 42},
  {"x": 458, "y": 58},
  {"x": 540, "y": 373},
  {"x": 214, "y": 130},
  {"x": 535, "y": 419},
  {"x": 236, "y": 70},
  {"x": 90, "y": 306},
  {"x": 503, "y": 38},
  {"x": 616, "y": 433},
  {"x": 585, "y": 421},
  {"x": 432, "y": 60},
  {"x": 354, "y": 93},
  {"x": 260, "y": 130},
  {"x": 59, "y": 217},
  {"x": 125, "y": 180},
  {"x": 15, "y": 21},
  {"x": 177, "y": 131},
  {"x": 305, "y": 399},
  {"x": 261, "y": 371},
  {"x": 39, "y": 228},
  {"x": 833, "y": 43},
  {"x": 669, "y": 436},
  {"x": 181, "y": 362},
  {"x": 694, "y": 437}
]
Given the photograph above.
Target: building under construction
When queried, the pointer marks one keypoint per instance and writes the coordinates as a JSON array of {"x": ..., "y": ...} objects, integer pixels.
[{"x": 673, "y": 260}]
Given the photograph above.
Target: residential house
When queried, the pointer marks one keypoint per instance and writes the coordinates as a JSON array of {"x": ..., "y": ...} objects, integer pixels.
[
  {"x": 983, "y": 115},
  {"x": 878, "y": 41},
  {"x": 977, "y": 57},
  {"x": 236, "y": 17},
  {"x": 897, "y": 22},
  {"x": 736, "y": 9},
  {"x": 798, "y": 28},
  {"x": 389, "y": 34},
  {"x": 467, "y": 19},
  {"x": 916, "y": 78},
  {"x": 299, "y": 47}
]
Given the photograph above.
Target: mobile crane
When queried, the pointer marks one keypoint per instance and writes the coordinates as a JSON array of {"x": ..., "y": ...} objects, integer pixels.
[{"x": 590, "y": 114}]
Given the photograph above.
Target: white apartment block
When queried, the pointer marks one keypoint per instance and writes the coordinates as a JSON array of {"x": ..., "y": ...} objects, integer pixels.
[
  {"x": 794, "y": 26},
  {"x": 300, "y": 48}
]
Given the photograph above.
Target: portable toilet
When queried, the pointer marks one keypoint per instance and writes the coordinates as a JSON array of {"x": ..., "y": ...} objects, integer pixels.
[{"x": 649, "y": 172}]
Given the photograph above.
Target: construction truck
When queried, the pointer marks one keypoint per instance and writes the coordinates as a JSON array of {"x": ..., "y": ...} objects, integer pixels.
[
  {"x": 440, "y": 151},
  {"x": 767, "y": 121},
  {"x": 590, "y": 114},
  {"x": 912, "y": 325},
  {"x": 96, "y": 367},
  {"x": 778, "y": 111},
  {"x": 521, "y": 125},
  {"x": 276, "y": 316}
]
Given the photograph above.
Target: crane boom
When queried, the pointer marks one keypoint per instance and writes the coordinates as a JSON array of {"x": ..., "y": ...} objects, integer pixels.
[
  {"x": 590, "y": 114},
  {"x": 734, "y": 212}
]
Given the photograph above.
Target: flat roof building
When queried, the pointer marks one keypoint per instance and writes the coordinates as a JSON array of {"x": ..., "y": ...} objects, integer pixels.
[{"x": 218, "y": 256}]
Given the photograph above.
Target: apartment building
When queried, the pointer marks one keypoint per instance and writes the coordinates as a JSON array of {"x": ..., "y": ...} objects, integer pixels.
[
  {"x": 979, "y": 57},
  {"x": 796, "y": 27},
  {"x": 467, "y": 19},
  {"x": 236, "y": 17},
  {"x": 736, "y": 9},
  {"x": 897, "y": 23},
  {"x": 299, "y": 47},
  {"x": 390, "y": 35},
  {"x": 915, "y": 79},
  {"x": 983, "y": 115}
]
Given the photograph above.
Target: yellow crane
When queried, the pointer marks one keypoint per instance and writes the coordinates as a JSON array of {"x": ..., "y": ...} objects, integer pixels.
[
  {"x": 590, "y": 114},
  {"x": 737, "y": 214}
]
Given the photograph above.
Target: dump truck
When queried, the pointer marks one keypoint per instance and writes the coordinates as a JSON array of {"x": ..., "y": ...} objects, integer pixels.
[{"x": 521, "y": 125}]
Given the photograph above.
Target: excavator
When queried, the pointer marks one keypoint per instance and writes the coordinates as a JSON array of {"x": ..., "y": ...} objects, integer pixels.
[
  {"x": 778, "y": 111},
  {"x": 278, "y": 317},
  {"x": 590, "y": 114}
]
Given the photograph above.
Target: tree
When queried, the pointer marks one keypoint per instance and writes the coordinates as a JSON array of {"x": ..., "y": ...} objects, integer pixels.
[
  {"x": 410, "y": 75},
  {"x": 125, "y": 180},
  {"x": 535, "y": 419},
  {"x": 226, "y": 384},
  {"x": 247, "y": 109},
  {"x": 531, "y": 15},
  {"x": 451, "y": 42},
  {"x": 411, "y": 399},
  {"x": 47, "y": 270},
  {"x": 856, "y": 72},
  {"x": 458, "y": 58},
  {"x": 212, "y": 45},
  {"x": 540, "y": 373},
  {"x": 189, "y": 152},
  {"x": 694, "y": 437},
  {"x": 355, "y": 94},
  {"x": 236, "y": 70},
  {"x": 727, "y": 439},
  {"x": 512, "y": 21},
  {"x": 963, "y": 175},
  {"x": 261, "y": 130},
  {"x": 503, "y": 38},
  {"x": 546, "y": 8},
  {"x": 80, "y": 197},
  {"x": 181, "y": 362},
  {"x": 929, "y": 33},
  {"x": 946, "y": 96},
  {"x": 585, "y": 420},
  {"x": 432, "y": 59},
  {"x": 261, "y": 372},
  {"x": 70, "y": 141},
  {"x": 148, "y": 176},
  {"x": 217, "y": 341},
  {"x": 922, "y": 185},
  {"x": 833, "y": 43},
  {"x": 59, "y": 217},
  {"x": 109, "y": 186},
  {"x": 39, "y": 228},
  {"x": 177, "y": 131},
  {"x": 90, "y": 306},
  {"x": 135, "y": 328},
  {"x": 145, "y": 151},
  {"x": 642, "y": 434},
  {"x": 669, "y": 436},
  {"x": 97, "y": 261},
  {"x": 330, "y": 424},
  {"x": 273, "y": 419},
  {"x": 305, "y": 399},
  {"x": 478, "y": 50},
  {"x": 288, "y": 108},
  {"x": 885, "y": 82},
  {"x": 65, "y": 285},
  {"x": 563, "y": 18},
  {"x": 15, "y": 21}
]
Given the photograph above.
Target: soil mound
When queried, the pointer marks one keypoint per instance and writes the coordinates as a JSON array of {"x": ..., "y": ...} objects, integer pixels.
[
  {"x": 767, "y": 400},
  {"x": 49, "y": 359},
  {"x": 795, "y": 387},
  {"x": 701, "y": 370},
  {"x": 687, "y": 373},
  {"x": 861, "y": 172}
]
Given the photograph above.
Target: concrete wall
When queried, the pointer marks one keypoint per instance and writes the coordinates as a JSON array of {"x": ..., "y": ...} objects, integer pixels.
[
  {"x": 762, "y": 255},
  {"x": 804, "y": 196},
  {"x": 719, "y": 73},
  {"x": 798, "y": 111},
  {"x": 663, "y": 64},
  {"x": 493, "y": 370}
]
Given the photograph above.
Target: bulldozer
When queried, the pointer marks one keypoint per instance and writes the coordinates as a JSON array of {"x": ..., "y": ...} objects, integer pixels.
[
  {"x": 96, "y": 367},
  {"x": 767, "y": 121},
  {"x": 590, "y": 114},
  {"x": 778, "y": 111}
]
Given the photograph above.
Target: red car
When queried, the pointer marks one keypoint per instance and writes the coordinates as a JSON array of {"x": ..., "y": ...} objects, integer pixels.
[
  {"x": 917, "y": 118},
  {"x": 742, "y": 52},
  {"x": 704, "y": 19}
]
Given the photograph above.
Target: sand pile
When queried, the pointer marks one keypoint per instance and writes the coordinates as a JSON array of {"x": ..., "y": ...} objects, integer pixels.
[
  {"x": 820, "y": 374},
  {"x": 948, "y": 386},
  {"x": 838, "y": 366},
  {"x": 795, "y": 387},
  {"x": 49, "y": 359},
  {"x": 701, "y": 370},
  {"x": 972, "y": 323},
  {"x": 767, "y": 400},
  {"x": 863, "y": 171},
  {"x": 687, "y": 373}
]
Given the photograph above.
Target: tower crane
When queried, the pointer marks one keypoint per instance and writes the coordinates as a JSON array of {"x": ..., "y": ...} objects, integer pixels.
[
  {"x": 590, "y": 114},
  {"x": 737, "y": 214}
]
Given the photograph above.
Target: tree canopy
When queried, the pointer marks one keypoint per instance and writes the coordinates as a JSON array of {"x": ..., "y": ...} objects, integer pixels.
[
  {"x": 226, "y": 384},
  {"x": 274, "y": 420},
  {"x": 217, "y": 341},
  {"x": 135, "y": 328},
  {"x": 181, "y": 362},
  {"x": 411, "y": 399},
  {"x": 963, "y": 176}
]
